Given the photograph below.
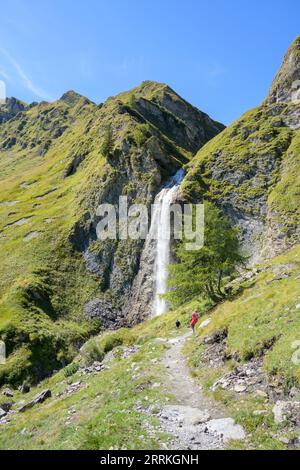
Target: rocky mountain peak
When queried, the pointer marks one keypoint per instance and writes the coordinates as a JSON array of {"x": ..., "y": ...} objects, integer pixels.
[
  {"x": 72, "y": 98},
  {"x": 286, "y": 85},
  {"x": 161, "y": 106},
  {"x": 11, "y": 108}
]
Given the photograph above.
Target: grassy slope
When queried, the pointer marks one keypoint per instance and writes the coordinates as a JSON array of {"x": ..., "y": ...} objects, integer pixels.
[
  {"x": 43, "y": 281},
  {"x": 255, "y": 161},
  {"x": 105, "y": 406},
  {"x": 105, "y": 417},
  {"x": 265, "y": 311}
]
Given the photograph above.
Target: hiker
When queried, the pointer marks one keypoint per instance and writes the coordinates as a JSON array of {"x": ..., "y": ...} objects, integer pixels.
[
  {"x": 194, "y": 319},
  {"x": 177, "y": 324}
]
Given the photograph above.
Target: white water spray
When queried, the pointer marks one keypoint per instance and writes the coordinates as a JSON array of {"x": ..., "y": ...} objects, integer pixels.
[{"x": 160, "y": 223}]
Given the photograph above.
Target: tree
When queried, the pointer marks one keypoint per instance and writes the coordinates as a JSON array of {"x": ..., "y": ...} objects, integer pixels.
[
  {"x": 107, "y": 144},
  {"x": 202, "y": 272}
]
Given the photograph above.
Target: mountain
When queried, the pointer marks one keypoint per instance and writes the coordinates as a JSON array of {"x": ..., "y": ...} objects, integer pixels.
[
  {"x": 58, "y": 162},
  {"x": 131, "y": 387},
  {"x": 11, "y": 108},
  {"x": 285, "y": 87},
  {"x": 252, "y": 169}
]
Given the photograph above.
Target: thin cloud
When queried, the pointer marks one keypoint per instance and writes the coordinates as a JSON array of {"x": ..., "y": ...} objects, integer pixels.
[
  {"x": 24, "y": 77},
  {"x": 4, "y": 74}
]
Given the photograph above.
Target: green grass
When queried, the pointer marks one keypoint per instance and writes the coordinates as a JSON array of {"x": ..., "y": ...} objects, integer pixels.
[
  {"x": 254, "y": 162},
  {"x": 264, "y": 312},
  {"x": 261, "y": 430},
  {"x": 43, "y": 281},
  {"x": 106, "y": 416}
]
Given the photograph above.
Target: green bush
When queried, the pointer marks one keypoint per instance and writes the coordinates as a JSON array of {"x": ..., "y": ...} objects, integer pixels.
[
  {"x": 15, "y": 371},
  {"x": 71, "y": 369},
  {"x": 141, "y": 134},
  {"x": 92, "y": 351},
  {"x": 111, "y": 342}
]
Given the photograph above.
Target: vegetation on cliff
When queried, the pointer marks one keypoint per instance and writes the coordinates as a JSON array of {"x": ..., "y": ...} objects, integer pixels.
[{"x": 58, "y": 162}]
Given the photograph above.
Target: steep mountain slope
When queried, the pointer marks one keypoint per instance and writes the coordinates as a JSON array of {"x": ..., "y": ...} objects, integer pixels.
[
  {"x": 252, "y": 169},
  {"x": 121, "y": 400},
  {"x": 246, "y": 352},
  {"x": 58, "y": 162},
  {"x": 11, "y": 108}
]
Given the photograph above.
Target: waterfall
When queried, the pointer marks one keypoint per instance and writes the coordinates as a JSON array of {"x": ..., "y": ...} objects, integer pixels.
[{"x": 160, "y": 224}]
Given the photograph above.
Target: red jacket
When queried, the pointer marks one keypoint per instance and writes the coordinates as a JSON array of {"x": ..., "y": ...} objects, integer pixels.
[{"x": 194, "y": 319}]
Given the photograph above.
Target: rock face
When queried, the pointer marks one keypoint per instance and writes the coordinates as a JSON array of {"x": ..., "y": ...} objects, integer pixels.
[
  {"x": 64, "y": 159},
  {"x": 103, "y": 310},
  {"x": 252, "y": 169},
  {"x": 286, "y": 85},
  {"x": 153, "y": 133},
  {"x": 11, "y": 108},
  {"x": 179, "y": 120}
]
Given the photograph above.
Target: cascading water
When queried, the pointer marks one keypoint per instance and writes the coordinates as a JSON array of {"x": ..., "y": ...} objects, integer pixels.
[{"x": 160, "y": 224}]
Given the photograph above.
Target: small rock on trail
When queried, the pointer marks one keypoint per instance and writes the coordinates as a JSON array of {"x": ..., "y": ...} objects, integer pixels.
[{"x": 226, "y": 428}]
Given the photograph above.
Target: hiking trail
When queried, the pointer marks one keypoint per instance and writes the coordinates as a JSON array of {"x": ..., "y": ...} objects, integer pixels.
[{"x": 193, "y": 420}]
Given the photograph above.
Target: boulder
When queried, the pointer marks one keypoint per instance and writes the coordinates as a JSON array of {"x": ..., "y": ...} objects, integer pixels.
[
  {"x": 6, "y": 406},
  {"x": 287, "y": 411},
  {"x": 217, "y": 337},
  {"x": 205, "y": 323},
  {"x": 260, "y": 412},
  {"x": 40, "y": 398},
  {"x": 226, "y": 428},
  {"x": 24, "y": 388},
  {"x": 8, "y": 392}
]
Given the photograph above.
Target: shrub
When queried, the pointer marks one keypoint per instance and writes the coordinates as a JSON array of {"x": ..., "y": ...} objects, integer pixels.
[
  {"x": 141, "y": 134},
  {"x": 92, "y": 352},
  {"x": 71, "y": 369},
  {"x": 111, "y": 342}
]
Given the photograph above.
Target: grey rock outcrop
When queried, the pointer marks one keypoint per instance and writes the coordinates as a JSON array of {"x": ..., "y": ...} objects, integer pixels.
[
  {"x": 286, "y": 84},
  {"x": 40, "y": 398},
  {"x": 245, "y": 378},
  {"x": 103, "y": 310},
  {"x": 11, "y": 108},
  {"x": 150, "y": 140}
]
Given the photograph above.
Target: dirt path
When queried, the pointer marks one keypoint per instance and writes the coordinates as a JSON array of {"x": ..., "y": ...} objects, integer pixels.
[{"x": 194, "y": 421}]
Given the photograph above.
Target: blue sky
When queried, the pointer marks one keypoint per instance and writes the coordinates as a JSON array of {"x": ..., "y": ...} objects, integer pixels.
[{"x": 219, "y": 55}]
